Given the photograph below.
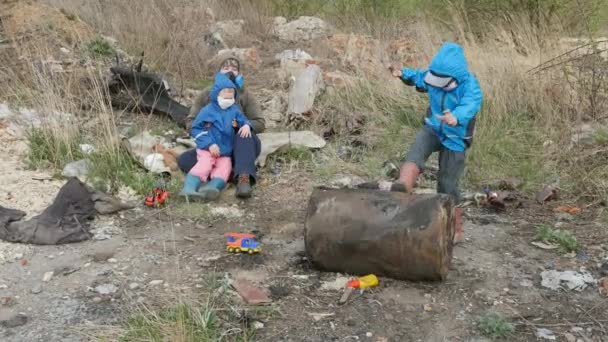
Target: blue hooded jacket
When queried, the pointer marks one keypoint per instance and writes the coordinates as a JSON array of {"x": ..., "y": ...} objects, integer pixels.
[
  {"x": 464, "y": 101},
  {"x": 213, "y": 125}
]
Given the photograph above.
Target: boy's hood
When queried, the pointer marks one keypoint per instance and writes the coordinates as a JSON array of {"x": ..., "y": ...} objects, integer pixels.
[{"x": 450, "y": 61}]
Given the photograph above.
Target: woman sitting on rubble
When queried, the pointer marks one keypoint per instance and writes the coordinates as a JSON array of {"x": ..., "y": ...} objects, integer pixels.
[{"x": 213, "y": 130}]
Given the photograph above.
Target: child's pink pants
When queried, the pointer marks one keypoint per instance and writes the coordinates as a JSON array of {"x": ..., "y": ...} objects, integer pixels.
[{"x": 208, "y": 165}]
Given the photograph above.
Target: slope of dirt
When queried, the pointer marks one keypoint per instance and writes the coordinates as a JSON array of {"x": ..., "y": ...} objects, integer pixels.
[{"x": 41, "y": 26}]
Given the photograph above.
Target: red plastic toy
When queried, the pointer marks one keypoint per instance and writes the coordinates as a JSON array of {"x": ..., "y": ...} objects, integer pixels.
[{"x": 156, "y": 198}]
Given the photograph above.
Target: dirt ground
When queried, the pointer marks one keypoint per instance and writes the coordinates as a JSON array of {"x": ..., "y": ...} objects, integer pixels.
[{"x": 495, "y": 269}]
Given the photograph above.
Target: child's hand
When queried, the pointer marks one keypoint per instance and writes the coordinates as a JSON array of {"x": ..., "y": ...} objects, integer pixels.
[
  {"x": 245, "y": 131},
  {"x": 214, "y": 150}
]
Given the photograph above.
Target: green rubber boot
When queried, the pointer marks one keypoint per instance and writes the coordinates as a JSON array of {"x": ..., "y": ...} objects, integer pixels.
[{"x": 211, "y": 191}]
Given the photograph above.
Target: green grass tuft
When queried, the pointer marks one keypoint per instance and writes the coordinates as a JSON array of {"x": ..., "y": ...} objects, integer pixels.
[
  {"x": 219, "y": 318},
  {"x": 566, "y": 240},
  {"x": 49, "y": 149},
  {"x": 99, "y": 48},
  {"x": 112, "y": 169},
  {"x": 494, "y": 326}
]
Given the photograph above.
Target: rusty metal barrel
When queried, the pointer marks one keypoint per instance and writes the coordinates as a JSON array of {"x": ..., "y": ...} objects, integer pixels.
[{"x": 391, "y": 234}]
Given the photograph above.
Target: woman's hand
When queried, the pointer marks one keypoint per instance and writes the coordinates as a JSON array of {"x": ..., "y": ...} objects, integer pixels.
[
  {"x": 245, "y": 132},
  {"x": 214, "y": 150}
]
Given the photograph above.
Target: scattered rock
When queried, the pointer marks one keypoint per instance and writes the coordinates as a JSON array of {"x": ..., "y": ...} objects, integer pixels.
[
  {"x": 569, "y": 337},
  {"x": 274, "y": 110},
  {"x": 105, "y": 250},
  {"x": 10, "y": 319},
  {"x": 428, "y": 307},
  {"x": 87, "y": 148},
  {"x": 294, "y": 55},
  {"x": 271, "y": 142},
  {"x": 7, "y": 301},
  {"x": 301, "y": 29},
  {"x": 305, "y": 90},
  {"x": 250, "y": 293},
  {"x": 106, "y": 289},
  {"x": 3, "y": 286},
  {"x": 543, "y": 245},
  {"x": 337, "y": 79},
  {"x": 603, "y": 286},
  {"x": 350, "y": 182},
  {"x": 105, "y": 232},
  {"x": 569, "y": 280},
  {"x": 133, "y": 286},
  {"x": 526, "y": 283},
  {"x": 545, "y": 334},
  {"x": 228, "y": 29},
  {"x": 257, "y": 325},
  {"x": 369, "y": 334},
  {"x": 319, "y": 316},
  {"x": 36, "y": 289},
  {"x": 78, "y": 169},
  {"x": 112, "y": 261},
  {"x": 97, "y": 300},
  {"x": 548, "y": 193},
  {"x": 106, "y": 204},
  {"x": 48, "y": 276},
  {"x": 155, "y": 282}
]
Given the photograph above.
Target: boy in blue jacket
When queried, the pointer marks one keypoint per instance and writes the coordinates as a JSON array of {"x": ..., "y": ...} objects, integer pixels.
[
  {"x": 454, "y": 100},
  {"x": 213, "y": 131}
]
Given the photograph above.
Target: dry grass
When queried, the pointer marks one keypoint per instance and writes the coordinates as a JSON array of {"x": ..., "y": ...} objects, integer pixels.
[{"x": 521, "y": 111}]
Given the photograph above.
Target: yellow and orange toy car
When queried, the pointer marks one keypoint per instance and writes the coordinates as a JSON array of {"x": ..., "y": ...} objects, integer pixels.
[{"x": 245, "y": 243}]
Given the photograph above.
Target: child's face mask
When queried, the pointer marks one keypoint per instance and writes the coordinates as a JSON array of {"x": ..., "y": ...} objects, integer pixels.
[
  {"x": 225, "y": 103},
  {"x": 225, "y": 98}
]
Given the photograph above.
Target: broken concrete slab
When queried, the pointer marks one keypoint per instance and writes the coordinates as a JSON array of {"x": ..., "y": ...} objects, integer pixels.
[
  {"x": 272, "y": 142},
  {"x": 305, "y": 90}
]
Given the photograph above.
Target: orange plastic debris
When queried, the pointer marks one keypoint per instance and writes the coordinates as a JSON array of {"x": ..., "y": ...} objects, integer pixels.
[{"x": 569, "y": 209}]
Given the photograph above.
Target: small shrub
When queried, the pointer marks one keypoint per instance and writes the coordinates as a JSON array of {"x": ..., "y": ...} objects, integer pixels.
[
  {"x": 495, "y": 326},
  {"x": 564, "y": 239},
  {"x": 50, "y": 148},
  {"x": 99, "y": 48}
]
